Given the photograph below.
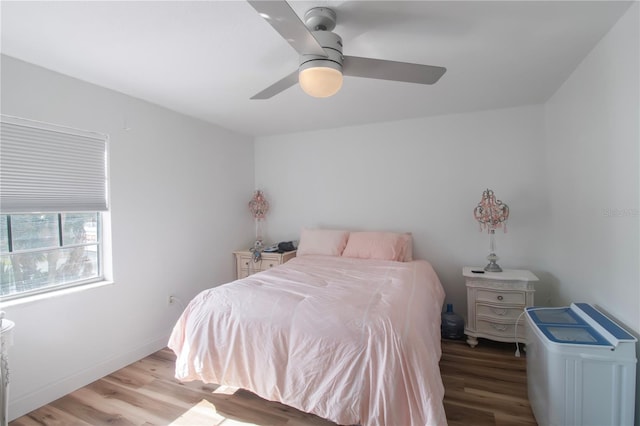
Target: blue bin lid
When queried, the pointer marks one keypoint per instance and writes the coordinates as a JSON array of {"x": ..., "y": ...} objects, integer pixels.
[
  {"x": 611, "y": 327},
  {"x": 560, "y": 316},
  {"x": 562, "y": 325}
]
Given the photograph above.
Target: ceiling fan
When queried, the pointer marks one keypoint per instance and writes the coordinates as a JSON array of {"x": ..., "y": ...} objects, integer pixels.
[{"x": 322, "y": 63}]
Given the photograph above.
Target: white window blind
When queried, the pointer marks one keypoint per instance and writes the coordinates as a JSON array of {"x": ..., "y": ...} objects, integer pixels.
[{"x": 49, "y": 168}]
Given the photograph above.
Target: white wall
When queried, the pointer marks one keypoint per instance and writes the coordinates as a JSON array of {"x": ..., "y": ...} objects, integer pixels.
[
  {"x": 424, "y": 176},
  {"x": 593, "y": 139},
  {"x": 179, "y": 190},
  {"x": 593, "y": 180}
]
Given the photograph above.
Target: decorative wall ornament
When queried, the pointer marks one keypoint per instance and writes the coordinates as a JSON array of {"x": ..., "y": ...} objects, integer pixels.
[{"x": 491, "y": 214}]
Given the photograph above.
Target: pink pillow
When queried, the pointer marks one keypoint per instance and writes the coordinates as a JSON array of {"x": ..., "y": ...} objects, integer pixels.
[
  {"x": 408, "y": 247},
  {"x": 327, "y": 242},
  {"x": 376, "y": 245}
]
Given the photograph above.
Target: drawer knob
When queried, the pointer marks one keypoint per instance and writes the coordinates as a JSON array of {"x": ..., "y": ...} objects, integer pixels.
[
  {"x": 500, "y": 298},
  {"x": 499, "y": 327},
  {"x": 246, "y": 263},
  {"x": 271, "y": 265}
]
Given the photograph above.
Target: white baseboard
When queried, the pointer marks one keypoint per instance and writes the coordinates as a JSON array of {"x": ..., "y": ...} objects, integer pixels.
[{"x": 29, "y": 402}]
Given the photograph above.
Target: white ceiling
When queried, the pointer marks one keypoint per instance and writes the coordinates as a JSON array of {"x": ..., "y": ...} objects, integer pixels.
[{"x": 206, "y": 58}]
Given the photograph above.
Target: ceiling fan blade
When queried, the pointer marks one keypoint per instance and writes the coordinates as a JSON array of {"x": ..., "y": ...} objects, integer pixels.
[
  {"x": 285, "y": 21},
  {"x": 391, "y": 70},
  {"x": 278, "y": 86}
]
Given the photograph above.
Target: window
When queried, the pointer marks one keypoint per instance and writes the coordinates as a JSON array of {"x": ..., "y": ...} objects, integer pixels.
[
  {"x": 43, "y": 251},
  {"x": 53, "y": 194}
]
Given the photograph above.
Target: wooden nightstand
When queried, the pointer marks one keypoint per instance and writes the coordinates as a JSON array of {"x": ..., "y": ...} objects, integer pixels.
[
  {"x": 495, "y": 300},
  {"x": 245, "y": 265}
]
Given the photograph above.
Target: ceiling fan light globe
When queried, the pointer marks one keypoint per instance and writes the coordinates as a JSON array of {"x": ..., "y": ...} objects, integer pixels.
[{"x": 320, "y": 82}]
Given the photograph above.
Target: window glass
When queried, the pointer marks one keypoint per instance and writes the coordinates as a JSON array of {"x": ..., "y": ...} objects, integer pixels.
[
  {"x": 35, "y": 256},
  {"x": 33, "y": 231},
  {"x": 79, "y": 228},
  {"x": 4, "y": 236}
]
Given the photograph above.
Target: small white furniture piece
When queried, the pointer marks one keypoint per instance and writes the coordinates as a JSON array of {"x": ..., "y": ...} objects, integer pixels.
[
  {"x": 581, "y": 367},
  {"x": 245, "y": 264},
  {"x": 6, "y": 339},
  {"x": 495, "y": 301}
]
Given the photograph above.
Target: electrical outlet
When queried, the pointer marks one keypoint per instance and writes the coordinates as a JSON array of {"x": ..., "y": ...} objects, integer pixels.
[{"x": 172, "y": 300}]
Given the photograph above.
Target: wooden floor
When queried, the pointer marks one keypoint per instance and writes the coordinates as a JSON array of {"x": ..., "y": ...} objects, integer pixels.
[
  {"x": 486, "y": 385},
  {"x": 483, "y": 386}
]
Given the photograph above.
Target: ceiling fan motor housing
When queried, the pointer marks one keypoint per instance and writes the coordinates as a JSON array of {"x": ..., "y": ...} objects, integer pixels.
[
  {"x": 332, "y": 44},
  {"x": 320, "y": 19}
]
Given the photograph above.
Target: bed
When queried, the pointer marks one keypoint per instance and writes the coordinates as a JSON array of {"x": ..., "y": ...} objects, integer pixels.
[{"x": 353, "y": 340}]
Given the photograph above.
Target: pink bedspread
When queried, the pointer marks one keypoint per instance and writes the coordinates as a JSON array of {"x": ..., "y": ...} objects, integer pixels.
[{"x": 354, "y": 341}]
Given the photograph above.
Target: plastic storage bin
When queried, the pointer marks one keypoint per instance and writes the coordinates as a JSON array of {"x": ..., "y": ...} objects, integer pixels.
[{"x": 581, "y": 367}]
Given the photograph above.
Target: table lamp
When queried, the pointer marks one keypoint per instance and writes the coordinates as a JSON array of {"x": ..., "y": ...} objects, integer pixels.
[
  {"x": 259, "y": 206},
  {"x": 491, "y": 214}
]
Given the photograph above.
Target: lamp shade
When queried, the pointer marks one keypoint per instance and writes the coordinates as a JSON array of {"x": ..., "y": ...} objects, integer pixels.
[
  {"x": 258, "y": 206},
  {"x": 491, "y": 213},
  {"x": 321, "y": 81}
]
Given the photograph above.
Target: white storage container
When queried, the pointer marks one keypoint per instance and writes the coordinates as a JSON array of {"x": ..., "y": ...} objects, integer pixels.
[{"x": 581, "y": 367}]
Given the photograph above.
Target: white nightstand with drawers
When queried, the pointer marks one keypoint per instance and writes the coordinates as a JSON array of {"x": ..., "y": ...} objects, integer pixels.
[
  {"x": 245, "y": 265},
  {"x": 495, "y": 300}
]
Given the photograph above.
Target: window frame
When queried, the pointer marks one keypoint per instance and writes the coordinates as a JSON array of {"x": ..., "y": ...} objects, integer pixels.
[
  {"x": 48, "y": 287},
  {"x": 55, "y": 170}
]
